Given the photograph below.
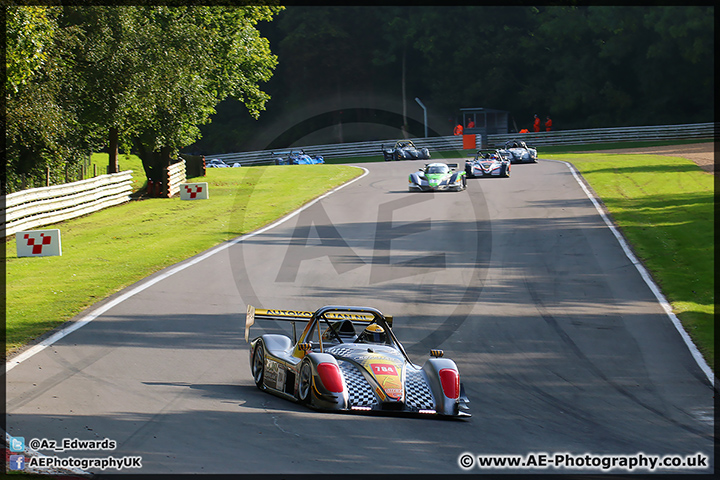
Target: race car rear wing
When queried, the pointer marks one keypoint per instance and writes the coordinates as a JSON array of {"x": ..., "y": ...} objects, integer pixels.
[
  {"x": 481, "y": 151},
  {"x": 302, "y": 316}
]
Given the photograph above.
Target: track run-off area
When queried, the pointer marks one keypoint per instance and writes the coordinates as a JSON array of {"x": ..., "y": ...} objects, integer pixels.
[{"x": 561, "y": 344}]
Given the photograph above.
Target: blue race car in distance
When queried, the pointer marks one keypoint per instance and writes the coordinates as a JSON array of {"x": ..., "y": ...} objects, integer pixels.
[{"x": 296, "y": 157}]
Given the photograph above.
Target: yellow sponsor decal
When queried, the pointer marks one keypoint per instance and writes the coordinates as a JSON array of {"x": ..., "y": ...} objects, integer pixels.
[
  {"x": 284, "y": 313},
  {"x": 388, "y": 376},
  {"x": 387, "y": 372},
  {"x": 300, "y": 314}
]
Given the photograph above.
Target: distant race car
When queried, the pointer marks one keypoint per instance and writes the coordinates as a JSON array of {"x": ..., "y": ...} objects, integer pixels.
[
  {"x": 296, "y": 157},
  {"x": 348, "y": 359},
  {"x": 437, "y": 177},
  {"x": 488, "y": 164},
  {"x": 405, "y": 150},
  {"x": 519, "y": 152},
  {"x": 215, "y": 163}
]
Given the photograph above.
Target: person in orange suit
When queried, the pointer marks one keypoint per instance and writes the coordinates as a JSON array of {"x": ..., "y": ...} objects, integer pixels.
[
  {"x": 470, "y": 124},
  {"x": 458, "y": 129},
  {"x": 536, "y": 123},
  {"x": 524, "y": 130},
  {"x": 548, "y": 124}
]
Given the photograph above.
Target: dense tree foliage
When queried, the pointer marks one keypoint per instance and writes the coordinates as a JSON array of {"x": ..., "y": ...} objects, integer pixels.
[
  {"x": 150, "y": 78},
  {"x": 41, "y": 124},
  {"x": 142, "y": 77},
  {"x": 588, "y": 66}
]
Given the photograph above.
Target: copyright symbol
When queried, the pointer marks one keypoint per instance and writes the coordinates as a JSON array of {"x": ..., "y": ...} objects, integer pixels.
[
  {"x": 35, "y": 444},
  {"x": 466, "y": 461}
]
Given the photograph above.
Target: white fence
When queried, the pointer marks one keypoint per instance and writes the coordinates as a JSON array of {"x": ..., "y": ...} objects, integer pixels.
[
  {"x": 37, "y": 207},
  {"x": 176, "y": 175},
  {"x": 562, "y": 137}
]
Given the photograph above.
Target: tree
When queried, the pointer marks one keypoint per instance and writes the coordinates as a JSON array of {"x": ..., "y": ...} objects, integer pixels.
[
  {"x": 151, "y": 75},
  {"x": 41, "y": 133},
  {"x": 194, "y": 57}
]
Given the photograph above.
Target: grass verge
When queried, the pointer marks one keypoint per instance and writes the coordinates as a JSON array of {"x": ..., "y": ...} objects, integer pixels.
[
  {"x": 108, "y": 250},
  {"x": 664, "y": 206}
]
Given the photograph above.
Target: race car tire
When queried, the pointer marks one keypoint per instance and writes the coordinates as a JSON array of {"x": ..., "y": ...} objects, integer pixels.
[
  {"x": 305, "y": 383},
  {"x": 505, "y": 171},
  {"x": 468, "y": 172},
  {"x": 464, "y": 182},
  {"x": 258, "y": 365}
]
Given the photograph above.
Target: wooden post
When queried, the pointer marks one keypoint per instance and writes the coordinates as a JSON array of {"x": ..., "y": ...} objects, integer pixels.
[{"x": 47, "y": 176}]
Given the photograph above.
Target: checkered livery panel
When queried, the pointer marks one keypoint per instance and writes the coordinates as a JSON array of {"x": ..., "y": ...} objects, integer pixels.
[
  {"x": 341, "y": 351},
  {"x": 417, "y": 392},
  {"x": 359, "y": 390}
]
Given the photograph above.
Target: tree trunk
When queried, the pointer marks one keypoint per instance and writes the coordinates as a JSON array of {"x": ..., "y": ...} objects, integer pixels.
[
  {"x": 113, "y": 166},
  {"x": 155, "y": 165}
]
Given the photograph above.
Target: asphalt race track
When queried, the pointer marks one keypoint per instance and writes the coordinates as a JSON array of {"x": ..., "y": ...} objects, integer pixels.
[{"x": 561, "y": 345}]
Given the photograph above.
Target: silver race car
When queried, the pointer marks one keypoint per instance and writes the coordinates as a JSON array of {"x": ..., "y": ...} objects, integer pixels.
[
  {"x": 348, "y": 359},
  {"x": 518, "y": 152},
  {"x": 488, "y": 164}
]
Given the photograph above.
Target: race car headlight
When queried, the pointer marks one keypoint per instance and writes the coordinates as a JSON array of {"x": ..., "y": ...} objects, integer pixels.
[
  {"x": 330, "y": 377},
  {"x": 450, "y": 381}
]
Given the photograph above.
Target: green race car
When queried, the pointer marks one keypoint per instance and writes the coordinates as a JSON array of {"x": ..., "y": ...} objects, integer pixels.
[{"x": 435, "y": 177}]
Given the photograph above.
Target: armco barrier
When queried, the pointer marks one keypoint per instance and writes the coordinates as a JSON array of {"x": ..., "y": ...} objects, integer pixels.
[
  {"x": 696, "y": 131},
  {"x": 455, "y": 142},
  {"x": 175, "y": 176},
  {"x": 345, "y": 150},
  {"x": 38, "y": 207}
]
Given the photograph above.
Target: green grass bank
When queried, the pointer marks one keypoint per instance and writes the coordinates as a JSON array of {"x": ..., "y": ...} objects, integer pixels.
[{"x": 108, "y": 250}]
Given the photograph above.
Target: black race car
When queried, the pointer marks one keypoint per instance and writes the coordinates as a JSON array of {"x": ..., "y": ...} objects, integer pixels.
[{"x": 405, "y": 150}]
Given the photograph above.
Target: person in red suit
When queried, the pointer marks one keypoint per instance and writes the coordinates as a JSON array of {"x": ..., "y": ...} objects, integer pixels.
[
  {"x": 536, "y": 123},
  {"x": 458, "y": 129},
  {"x": 548, "y": 124}
]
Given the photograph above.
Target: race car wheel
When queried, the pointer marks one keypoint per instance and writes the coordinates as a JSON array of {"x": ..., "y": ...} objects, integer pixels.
[
  {"x": 464, "y": 182},
  {"x": 505, "y": 171},
  {"x": 305, "y": 382},
  {"x": 258, "y": 365}
]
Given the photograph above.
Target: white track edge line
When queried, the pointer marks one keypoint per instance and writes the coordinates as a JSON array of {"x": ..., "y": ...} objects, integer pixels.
[
  {"x": 21, "y": 357},
  {"x": 646, "y": 276}
]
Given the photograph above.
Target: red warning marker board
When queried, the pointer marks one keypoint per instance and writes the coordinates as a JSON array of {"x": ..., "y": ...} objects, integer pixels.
[
  {"x": 194, "y": 191},
  {"x": 38, "y": 243}
]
